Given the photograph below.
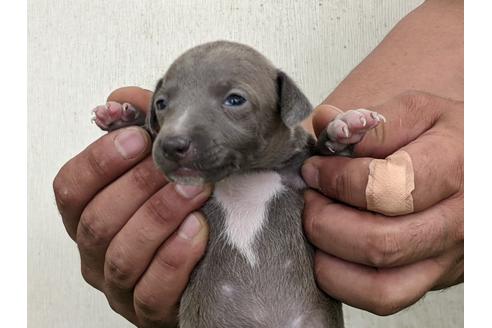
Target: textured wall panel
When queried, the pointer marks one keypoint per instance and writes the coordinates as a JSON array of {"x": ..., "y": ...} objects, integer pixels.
[{"x": 81, "y": 50}]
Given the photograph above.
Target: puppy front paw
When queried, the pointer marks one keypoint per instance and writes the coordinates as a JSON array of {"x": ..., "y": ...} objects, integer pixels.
[
  {"x": 347, "y": 129},
  {"x": 113, "y": 116}
]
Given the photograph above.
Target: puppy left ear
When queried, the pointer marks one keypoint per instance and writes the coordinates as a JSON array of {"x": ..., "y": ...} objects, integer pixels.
[{"x": 293, "y": 104}]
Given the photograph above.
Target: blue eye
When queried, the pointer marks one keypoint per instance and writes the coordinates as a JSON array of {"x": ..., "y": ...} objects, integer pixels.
[
  {"x": 234, "y": 100},
  {"x": 160, "y": 104}
]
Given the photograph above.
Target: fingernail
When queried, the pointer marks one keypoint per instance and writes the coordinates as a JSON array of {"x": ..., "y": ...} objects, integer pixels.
[
  {"x": 188, "y": 191},
  {"x": 311, "y": 175},
  {"x": 345, "y": 131},
  {"x": 130, "y": 142},
  {"x": 190, "y": 227},
  {"x": 329, "y": 147}
]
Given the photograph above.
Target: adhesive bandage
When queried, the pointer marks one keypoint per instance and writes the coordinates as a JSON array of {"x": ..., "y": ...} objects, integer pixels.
[{"x": 390, "y": 185}]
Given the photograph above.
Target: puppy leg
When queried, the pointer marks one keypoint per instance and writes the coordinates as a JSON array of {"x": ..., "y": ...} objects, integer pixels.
[
  {"x": 113, "y": 116},
  {"x": 346, "y": 130}
]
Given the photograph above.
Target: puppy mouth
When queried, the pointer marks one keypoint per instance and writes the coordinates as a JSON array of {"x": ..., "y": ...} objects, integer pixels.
[
  {"x": 195, "y": 172},
  {"x": 203, "y": 166},
  {"x": 185, "y": 172},
  {"x": 199, "y": 170}
]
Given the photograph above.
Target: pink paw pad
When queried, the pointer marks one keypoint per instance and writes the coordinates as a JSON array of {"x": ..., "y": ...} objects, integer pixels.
[
  {"x": 112, "y": 113},
  {"x": 350, "y": 127}
]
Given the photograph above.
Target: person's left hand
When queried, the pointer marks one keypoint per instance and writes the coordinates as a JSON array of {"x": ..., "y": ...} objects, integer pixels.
[{"x": 378, "y": 263}]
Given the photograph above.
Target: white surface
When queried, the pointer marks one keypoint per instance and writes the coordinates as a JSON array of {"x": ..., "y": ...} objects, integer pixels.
[
  {"x": 79, "y": 51},
  {"x": 13, "y": 191}
]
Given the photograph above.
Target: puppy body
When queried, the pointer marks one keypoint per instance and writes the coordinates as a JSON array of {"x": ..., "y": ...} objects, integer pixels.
[
  {"x": 258, "y": 267},
  {"x": 224, "y": 114}
]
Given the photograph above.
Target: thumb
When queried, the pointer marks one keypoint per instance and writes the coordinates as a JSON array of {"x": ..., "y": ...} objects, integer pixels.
[
  {"x": 408, "y": 116},
  {"x": 138, "y": 97}
]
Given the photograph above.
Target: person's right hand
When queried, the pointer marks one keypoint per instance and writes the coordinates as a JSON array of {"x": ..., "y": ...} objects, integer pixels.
[{"x": 129, "y": 223}]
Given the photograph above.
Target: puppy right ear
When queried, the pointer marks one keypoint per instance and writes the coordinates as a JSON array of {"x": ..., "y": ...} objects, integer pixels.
[{"x": 151, "y": 121}]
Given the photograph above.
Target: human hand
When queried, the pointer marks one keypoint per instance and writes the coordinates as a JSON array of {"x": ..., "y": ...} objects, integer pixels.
[
  {"x": 378, "y": 263},
  {"x": 128, "y": 222}
]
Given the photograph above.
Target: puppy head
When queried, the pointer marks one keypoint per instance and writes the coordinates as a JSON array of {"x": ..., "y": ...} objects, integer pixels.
[{"x": 217, "y": 111}]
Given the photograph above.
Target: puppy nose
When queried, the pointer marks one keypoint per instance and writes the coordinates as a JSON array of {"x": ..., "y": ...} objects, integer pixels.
[{"x": 175, "y": 146}]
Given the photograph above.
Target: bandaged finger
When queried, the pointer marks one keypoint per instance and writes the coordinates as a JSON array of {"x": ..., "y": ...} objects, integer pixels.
[{"x": 390, "y": 185}]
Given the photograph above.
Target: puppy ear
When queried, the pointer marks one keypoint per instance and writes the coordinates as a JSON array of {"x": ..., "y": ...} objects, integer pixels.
[
  {"x": 152, "y": 123},
  {"x": 293, "y": 104}
]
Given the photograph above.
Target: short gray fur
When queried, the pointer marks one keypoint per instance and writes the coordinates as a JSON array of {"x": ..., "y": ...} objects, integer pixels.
[
  {"x": 268, "y": 295},
  {"x": 264, "y": 134}
]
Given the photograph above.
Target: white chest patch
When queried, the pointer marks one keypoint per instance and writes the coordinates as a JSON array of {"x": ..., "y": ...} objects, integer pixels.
[{"x": 244, "y": 199}]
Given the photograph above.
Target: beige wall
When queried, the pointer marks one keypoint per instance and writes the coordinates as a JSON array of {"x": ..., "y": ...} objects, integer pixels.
[{"x": 80, "y": 50}]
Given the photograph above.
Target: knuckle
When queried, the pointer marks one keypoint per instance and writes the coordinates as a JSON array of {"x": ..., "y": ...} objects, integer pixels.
[
  {"x": 455, "y": 219},
  {"x": 385, "y": 308},
  {"x": 99, "y": 163},
  {"x": 336, "y": 185},
  {"x": 458, "y": 176},
  {"x": 142, "y": 178},
  {"x": 383, "y": 247},
  {"x": 161, "y": 210},
  {"x": 307, "y": 223},
  {"x": 114, "y": 306},
  {"x": 118, "y": 307},
  {"x": 342, "y": 186},
  {"x": 460, "y": 229},
  {"x": 446, "y": 226},
  {"x": 118, "y": 271},
  {"x": 147, "y": 305},
  {"x": 172, "y": 263},
  {"x": 65, "y": 195},
  {"x": 312, "y": 224},
  {"x": 92, "y": 231},
  {"x": 323, "y": 275},
  {"x": 386, "y": 300},
  {"x": 90, "y": 276},
  {"x": 415, "y": 105},
  {"x": 414, "y": 100},
  {"x": 151, "y": 310},
  {"x": 319, "y": 272},
  {"x": 145, "y": 177},
  {"x": 453, "y": 181}
]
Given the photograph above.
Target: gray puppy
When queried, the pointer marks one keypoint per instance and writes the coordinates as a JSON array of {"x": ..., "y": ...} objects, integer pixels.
[{"x": 223, "y": 114}]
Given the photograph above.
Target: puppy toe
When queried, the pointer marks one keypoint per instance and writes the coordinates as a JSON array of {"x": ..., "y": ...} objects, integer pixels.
[
  {"x": 129, "y": 113},
  {"x": 113, "y": 116}
]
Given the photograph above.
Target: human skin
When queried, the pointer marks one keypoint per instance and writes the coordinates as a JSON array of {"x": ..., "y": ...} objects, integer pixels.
[
  {"x": 384, "y": 264},
  {"x": 112, "y": 198},
  {"x": 137, "y": 240}
]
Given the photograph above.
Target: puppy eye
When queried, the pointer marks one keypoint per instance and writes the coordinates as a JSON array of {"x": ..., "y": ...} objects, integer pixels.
[
  {"x": 234, "y": 100},
  {"x": 160, "y": 104}
]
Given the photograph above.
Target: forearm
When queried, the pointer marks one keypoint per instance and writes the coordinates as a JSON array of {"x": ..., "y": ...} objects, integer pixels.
[{"x": 424, "y": 51}]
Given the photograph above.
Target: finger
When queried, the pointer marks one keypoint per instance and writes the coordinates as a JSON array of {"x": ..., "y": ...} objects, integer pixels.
[
  {"x": 380, "y": 241},
  {"x": 158, "y": 292},
  {"x": 138, "y": 97},
  {"x": 323, "y": 115},
  {"x": 132, "y": 249},
  {"x": 434, "y": 154},
  {"x": 95, "y": 167},
  {"x": 122, "y": 304},
  {"x": 453, "y": 267},
  {"x": 341, "y": 178},
  {"x": 109, "y": 211},
  {"x": 380, "y": 291},
  {"x": 407, "y": 116}
]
